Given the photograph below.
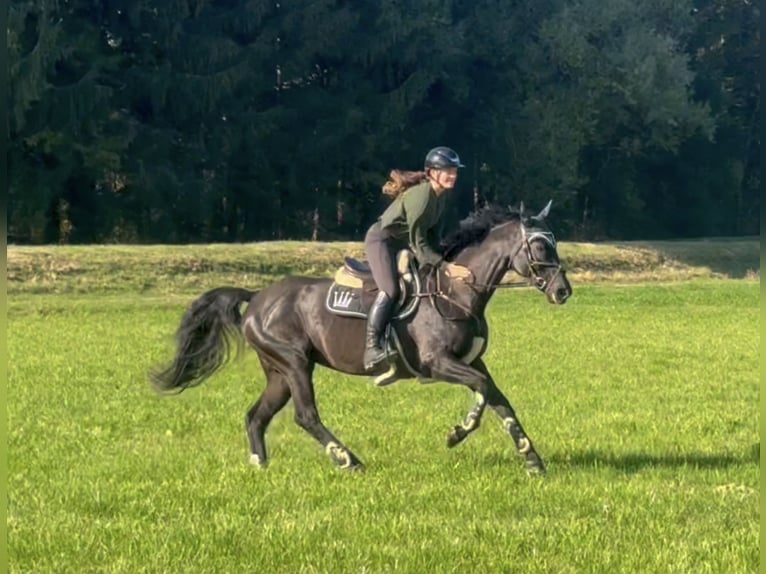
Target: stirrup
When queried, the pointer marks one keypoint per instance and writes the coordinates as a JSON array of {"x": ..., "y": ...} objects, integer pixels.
[{"x": 391, "y": 374}]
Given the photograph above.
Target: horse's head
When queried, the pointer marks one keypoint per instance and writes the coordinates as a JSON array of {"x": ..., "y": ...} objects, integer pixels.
[
  {"x": 494, "y": 239},
  {"x": 537, "y": 258}
]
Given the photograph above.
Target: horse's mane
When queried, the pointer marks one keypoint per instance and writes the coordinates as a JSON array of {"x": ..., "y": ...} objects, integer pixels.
[{"x": 475, "y": 228}]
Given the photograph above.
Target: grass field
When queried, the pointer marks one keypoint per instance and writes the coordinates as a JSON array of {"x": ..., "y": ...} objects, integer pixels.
[{"x": 643, "y": 399}]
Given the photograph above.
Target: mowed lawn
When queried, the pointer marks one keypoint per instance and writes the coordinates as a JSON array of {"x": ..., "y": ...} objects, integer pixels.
[{"x": 642, "y": 399}]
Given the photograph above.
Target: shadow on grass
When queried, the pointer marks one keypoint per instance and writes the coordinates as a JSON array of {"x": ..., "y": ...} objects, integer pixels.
[{"x": 634, "y": 462}]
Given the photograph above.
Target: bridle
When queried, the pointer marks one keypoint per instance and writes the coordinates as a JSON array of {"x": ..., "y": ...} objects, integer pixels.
[{"x": 534, "y": 266}]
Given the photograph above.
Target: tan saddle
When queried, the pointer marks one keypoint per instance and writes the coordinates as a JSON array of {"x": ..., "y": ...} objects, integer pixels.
[{"x": 357, "y": 275}]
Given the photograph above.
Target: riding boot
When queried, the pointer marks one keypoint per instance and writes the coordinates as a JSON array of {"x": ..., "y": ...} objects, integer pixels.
[{"x": 378, "y": 318}]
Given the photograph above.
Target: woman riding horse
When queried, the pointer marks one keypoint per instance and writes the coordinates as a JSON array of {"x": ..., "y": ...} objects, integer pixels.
[
  {"x": 413, "y": 220},
  {"x": 291, "y": 329}
]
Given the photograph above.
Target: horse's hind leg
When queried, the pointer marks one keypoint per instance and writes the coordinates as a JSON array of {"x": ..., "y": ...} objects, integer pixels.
[
  {"x": 307, "y": 417},
  {"x": 272, "y": 400},
  {"x": 502, "y": 407}
]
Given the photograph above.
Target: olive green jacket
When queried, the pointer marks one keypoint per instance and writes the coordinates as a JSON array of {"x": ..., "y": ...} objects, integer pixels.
[{"x": 415, "y": 216}]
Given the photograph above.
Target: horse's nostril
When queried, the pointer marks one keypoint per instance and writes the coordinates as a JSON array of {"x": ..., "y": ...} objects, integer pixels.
[{"x": 562, "y": 294}]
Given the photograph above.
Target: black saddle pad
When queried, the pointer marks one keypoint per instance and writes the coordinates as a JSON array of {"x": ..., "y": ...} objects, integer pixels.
[
  {"x": 356, "y": 302},
  {"x": 347, "y": 301}
]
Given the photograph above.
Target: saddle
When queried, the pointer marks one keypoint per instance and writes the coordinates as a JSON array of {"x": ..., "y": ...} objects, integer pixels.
[
  {"x": 353, "y": 289},
  {"x": 351, "y": 295}
]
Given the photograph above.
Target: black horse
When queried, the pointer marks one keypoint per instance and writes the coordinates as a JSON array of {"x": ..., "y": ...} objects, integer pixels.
[{"x": 292, "y": 329}]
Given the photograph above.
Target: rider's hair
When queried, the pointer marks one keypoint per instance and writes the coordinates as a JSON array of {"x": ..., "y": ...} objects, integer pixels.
[{"x": 400, "y": 181}]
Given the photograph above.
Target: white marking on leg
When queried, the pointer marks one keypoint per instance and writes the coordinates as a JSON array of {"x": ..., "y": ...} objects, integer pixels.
[
  {"x": 339, "y": 454},
  {"x": 255, "y": 460},
  {"x": 472, "y": 418},
  {"x": 524, "y": 445},
  {"x": 470, "y": 421}
]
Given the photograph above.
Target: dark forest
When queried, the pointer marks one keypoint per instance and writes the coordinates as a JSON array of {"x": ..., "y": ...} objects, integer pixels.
[{"x": 186, "y": 121}]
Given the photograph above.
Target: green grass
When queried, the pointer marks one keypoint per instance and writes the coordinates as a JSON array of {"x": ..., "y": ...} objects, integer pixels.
[{"x": 643, "y": 400}]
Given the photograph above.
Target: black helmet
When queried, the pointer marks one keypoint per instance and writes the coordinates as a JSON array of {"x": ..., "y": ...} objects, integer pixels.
[{"x": 442, "y": 157}]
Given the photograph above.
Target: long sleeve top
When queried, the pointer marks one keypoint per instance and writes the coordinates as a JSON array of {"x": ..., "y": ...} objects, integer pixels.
[{"x": 415, "y": 216}]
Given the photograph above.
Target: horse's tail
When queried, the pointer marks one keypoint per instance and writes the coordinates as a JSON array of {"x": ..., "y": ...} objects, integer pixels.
[{"x": 204, "y": 338}]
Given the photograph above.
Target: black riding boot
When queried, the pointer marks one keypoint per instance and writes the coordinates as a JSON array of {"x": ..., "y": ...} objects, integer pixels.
[{"x": 378, "y": 318}]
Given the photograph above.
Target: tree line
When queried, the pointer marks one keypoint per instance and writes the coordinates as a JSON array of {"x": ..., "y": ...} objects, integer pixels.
[{"x": 180, "y": 121}]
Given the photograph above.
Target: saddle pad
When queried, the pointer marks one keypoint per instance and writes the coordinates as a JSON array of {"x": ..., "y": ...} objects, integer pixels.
[
  {"x": 347, "y": 297},
  {"x": 345, "y": 300}
]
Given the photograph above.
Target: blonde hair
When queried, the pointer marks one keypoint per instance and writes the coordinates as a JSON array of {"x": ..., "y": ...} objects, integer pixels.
[{"x": 400, "y": 181}]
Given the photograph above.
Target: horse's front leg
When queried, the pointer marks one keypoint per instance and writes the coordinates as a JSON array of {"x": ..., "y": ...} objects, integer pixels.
[
  {"x": 470, "y": 423},
  {"x": 502, "y": 407},
  {"x": 451, "y": 370}
]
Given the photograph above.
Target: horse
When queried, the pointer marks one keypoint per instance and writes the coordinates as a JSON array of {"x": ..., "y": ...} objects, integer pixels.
[{"x": 290, "y": 326}]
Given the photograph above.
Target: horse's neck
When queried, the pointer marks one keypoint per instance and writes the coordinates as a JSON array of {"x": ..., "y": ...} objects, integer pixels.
[{"x": 488, "y": 262}]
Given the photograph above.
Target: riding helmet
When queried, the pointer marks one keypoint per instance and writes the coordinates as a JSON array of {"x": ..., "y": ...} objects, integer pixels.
[{"x": 442, "y": 157}]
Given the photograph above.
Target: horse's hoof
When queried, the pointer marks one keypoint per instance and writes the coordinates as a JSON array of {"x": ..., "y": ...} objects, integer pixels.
[
  {"x": 257, "y": 462},
  {"x": 456, "y": 436},
  {"x": 355, "y": 466},
  {"x": 535, "y": 468}
]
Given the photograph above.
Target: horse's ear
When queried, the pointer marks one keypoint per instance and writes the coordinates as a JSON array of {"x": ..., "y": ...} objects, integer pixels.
[
  {"x": 521, "y": 208},
  {"x": 546, "y": 210}
]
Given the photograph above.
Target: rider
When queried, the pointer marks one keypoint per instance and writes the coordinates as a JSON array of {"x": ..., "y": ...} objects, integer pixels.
[{"x": 413, "y": 220}]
